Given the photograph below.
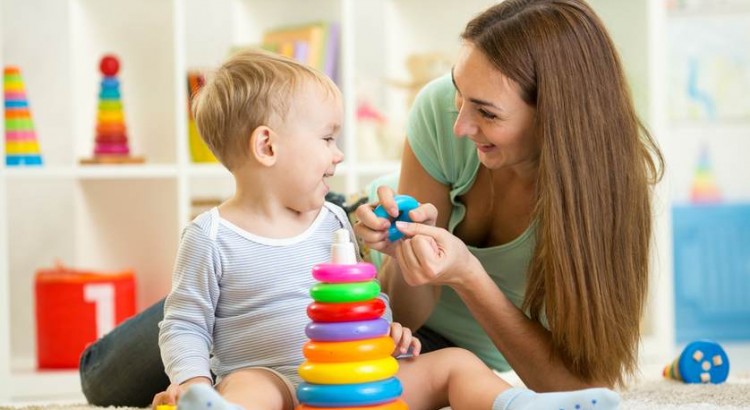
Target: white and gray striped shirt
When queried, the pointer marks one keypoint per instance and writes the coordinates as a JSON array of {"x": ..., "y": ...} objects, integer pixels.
[{"x": 239, "y": 300}]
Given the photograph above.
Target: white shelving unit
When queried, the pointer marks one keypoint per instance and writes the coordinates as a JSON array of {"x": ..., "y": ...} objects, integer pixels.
[{"x": 111, "y": 217}]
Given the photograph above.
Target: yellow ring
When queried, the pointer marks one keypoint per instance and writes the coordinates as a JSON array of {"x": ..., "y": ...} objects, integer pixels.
[
  {"x": 349, "y": 372},
  {"x": 358, "y": 350}
]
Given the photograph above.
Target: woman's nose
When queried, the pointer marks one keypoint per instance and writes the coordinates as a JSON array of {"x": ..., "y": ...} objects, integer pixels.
[{"x": 464, "y": 125}]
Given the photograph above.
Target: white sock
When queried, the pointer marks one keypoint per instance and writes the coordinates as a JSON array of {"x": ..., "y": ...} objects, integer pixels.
[
  {"x": 204, "y": 397},
  {"x": 590, "y": 399}
]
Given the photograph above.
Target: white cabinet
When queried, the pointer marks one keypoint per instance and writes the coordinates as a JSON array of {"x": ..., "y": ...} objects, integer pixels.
[{"x": 111, "y": 217}]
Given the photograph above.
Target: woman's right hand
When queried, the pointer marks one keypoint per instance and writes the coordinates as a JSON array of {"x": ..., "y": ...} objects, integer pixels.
[{"x": 373, "y": 230}]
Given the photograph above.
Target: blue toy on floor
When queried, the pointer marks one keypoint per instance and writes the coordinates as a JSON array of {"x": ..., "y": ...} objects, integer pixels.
[{"x": 702, "y": 361}]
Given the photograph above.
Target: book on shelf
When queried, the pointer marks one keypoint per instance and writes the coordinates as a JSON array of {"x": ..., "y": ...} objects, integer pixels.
[{"x": 315, "y": 44}]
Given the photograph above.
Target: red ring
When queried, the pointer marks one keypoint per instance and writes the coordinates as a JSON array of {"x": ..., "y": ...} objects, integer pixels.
[{"x": 346, "y": 312}]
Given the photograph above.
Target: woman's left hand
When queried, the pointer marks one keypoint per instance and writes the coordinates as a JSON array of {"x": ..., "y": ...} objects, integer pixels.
[{"x": 432, "y": 255}]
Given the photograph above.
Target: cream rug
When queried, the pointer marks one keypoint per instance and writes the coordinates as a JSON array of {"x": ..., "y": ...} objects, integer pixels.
[{"x": 651, "y": 393}]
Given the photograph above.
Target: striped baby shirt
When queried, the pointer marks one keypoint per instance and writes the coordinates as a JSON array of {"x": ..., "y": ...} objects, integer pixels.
[{"x": 239, "y": 300}]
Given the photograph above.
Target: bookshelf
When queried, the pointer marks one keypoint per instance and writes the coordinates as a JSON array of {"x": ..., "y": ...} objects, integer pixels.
[{"x": 111, "y": 217}]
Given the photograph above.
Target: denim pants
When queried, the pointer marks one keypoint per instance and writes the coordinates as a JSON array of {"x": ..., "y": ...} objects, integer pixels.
[{"x": 124, "y": 367}]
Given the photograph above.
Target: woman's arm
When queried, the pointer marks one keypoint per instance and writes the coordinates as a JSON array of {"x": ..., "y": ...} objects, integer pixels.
[
  {"x": 433, "y": 256},
  {"x": 524, "y": 343},
  {"x": 411, "y": 305}
]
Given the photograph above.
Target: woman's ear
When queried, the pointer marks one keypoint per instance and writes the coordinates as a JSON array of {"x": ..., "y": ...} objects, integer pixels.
[{"x": 262, "y": 145}]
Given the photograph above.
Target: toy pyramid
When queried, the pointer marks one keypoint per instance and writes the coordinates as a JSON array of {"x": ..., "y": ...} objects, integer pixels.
[
  {"x": 21, "y": 146},
  {"x": 704, "y": 189},
  {"x": 349, "y": 360},
  {"x": 111, "y": 144}
]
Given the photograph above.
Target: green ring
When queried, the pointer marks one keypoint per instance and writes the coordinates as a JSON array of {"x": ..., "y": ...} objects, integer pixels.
[{"x": 345, "y": 292}]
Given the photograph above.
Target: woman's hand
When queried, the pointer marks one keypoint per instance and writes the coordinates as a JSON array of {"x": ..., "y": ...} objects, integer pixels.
[
  {"x": 432, "y": 255},
  {"x": 373, "y": 230},
  {"x": 404, "y": 340},
  {"x": 174, "y": 391}
]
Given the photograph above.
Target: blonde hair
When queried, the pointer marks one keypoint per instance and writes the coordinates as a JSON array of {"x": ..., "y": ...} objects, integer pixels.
[
  {"x": 590, "y": 270},
  {"x": 252, "y": 88}
]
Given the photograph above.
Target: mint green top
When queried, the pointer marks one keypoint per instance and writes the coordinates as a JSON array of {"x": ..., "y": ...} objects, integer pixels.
[{"x": 453, "y": 161}]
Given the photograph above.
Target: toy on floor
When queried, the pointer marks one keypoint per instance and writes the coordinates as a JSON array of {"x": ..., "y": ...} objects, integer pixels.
[
  {"x": 21, "y": 146},
  {"x": 111, "y": 143},
  {"x": 349, "y": 362},
  {"x": 702, "y": 361},
  {"x": 405, "y": 204}
]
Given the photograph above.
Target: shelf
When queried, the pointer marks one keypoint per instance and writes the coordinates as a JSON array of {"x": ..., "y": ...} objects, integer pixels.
[
  {"x": 207, "y": 170},
  {"x": 93, "y": 172},
  {"x": 29, "y": 383}
]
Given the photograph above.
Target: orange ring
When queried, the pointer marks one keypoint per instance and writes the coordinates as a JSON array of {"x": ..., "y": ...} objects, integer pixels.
[
  {"x": 353, "y": 351},
  {"x": 394, "y": 405}
]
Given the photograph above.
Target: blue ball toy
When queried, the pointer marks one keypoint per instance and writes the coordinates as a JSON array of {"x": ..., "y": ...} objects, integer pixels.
[{"x": 405, "y": 204}]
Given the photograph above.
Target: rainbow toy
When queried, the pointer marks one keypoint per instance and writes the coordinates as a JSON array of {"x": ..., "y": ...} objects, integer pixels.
[
  {"x": 704, "y": 189},
  {"x": 21, "y": 146},
  {"x": 349, "y": 362},
  {"x": 111, "y": 143},
  {"x": 702, "y": 361}
]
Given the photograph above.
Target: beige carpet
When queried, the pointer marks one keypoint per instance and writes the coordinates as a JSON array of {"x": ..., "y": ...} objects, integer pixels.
[{"x": 651, "y": 393}]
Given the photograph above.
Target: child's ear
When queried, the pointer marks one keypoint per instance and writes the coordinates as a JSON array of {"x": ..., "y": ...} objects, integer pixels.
[{"x": 262, "y": 145}]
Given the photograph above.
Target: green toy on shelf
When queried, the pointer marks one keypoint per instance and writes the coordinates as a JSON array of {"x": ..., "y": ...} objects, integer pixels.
[
  {"x": 21, "y": 146},
  {"x": 702, "y": 361}
]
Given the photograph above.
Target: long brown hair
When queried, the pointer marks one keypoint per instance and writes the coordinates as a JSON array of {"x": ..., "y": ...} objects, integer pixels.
[{"x": 589, "y": 273}]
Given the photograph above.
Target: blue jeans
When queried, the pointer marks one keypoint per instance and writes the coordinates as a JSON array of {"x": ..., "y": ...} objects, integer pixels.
[{"x": 124, "y": 367}]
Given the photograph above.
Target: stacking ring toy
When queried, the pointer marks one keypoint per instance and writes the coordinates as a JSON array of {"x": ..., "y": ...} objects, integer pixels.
[
  {"x": 332, "y": 352},
  {"x": 333, "y": 273},
  {"x": 346, "y": 331},
  {"x": 394, "y": 405},
  {"x": 405, "y": 204},
  {"x": 349, "y": 372},
  {"x": 346, "y": 312},
  {"x": 337, "y": 395},
  {"x": 345, "y": 292}
]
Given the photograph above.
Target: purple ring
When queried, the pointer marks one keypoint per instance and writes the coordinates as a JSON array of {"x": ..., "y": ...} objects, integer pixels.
[{"x": 343, "y": 331}]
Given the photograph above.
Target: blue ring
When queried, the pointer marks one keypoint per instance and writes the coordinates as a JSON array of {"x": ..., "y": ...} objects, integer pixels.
[
  {"x": 405, "y": 204},
  {"x": 349, "y": 395},
  {"x": 345, "y": 331}
]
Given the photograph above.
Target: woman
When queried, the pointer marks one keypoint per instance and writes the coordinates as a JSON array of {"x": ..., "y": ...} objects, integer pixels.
[{"x": 532, "y": 243}]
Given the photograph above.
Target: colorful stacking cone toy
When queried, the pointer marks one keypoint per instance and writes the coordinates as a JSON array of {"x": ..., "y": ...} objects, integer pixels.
[
  {"x": 702, "y": 361},
  {"x": 349, "y": 362},
  {"x": 111, "y": 144},
  {"x": 21, "y": 146},
  {"x": 704, "y": 189}
]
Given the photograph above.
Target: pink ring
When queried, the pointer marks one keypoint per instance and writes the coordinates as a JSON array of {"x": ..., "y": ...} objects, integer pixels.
[{"x": 333, "y": 273}]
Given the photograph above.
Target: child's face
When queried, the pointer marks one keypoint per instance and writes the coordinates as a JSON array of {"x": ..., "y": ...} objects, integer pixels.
[{"x": 308, "y": 153}]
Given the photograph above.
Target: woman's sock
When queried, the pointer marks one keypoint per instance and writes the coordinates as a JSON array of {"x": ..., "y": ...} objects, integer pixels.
[
  {"x": 204, "y": 397},
  {"x": 590, "y": 399}
]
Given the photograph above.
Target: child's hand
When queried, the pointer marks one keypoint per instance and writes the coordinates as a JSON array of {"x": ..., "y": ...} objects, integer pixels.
[
  {"x": 404, "y": 340},
  {"x": 174, "y": 391}
]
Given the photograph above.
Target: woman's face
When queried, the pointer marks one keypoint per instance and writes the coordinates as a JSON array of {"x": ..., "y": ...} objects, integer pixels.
[{"x": 491, "y": 112}]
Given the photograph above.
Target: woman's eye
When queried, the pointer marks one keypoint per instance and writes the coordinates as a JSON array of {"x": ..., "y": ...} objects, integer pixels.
[{"x": 486, "y": 114}]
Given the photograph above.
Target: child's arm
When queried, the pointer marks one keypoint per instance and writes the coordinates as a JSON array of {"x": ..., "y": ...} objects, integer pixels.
[
  {"x": 405, "y": 342},
  {"x": 185, "y": 335}
]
